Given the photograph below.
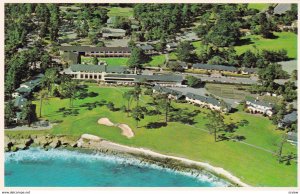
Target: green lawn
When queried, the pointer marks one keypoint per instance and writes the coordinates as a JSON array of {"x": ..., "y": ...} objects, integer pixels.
[
  {"x": 252, "y": 165},
  {"x": 259, "y": 6},
  {"x": 172, "y": 56},
  {"x": 237, "y": 92},
  {"x": 120, "y": 11},
  {"x": 285, "y": 40},
  {"x": 112, "y": 61},
  {"x": 156, "y": 61}
]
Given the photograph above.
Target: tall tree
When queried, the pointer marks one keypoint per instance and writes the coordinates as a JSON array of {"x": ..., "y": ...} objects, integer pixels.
[
  {"x": 9, "y": 113},
  {"x": 29, "y": 113},
  {"x": 215, "y": 123},
  {"x": 136, "y": 93},
  {"x": 280, "y": 147},
  {"x": 137, "y": 58},
  {"x": 138, "y": 114},
  {"x": 51, "y": 76},
  {"x": 184, "y": 52},
  {"x": 128, "y": 97},
  {"x": 42, "y": 95},
  {"x": 69, "y": 90},
  {"x": 164, "y": 102}
]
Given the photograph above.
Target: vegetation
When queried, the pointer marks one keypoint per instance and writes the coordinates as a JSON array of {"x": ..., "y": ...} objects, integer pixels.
[
  {"x": 284, "y": 40},
  {"x": 196, "y": 143},
  {"x": 159, "y": 20},
  {"x": 137, "y": 58},
  {"x": 192, "y": 81}
]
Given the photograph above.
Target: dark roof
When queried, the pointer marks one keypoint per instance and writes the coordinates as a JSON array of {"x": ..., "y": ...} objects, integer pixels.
[
  {"x": 19, "y": 101},
  {"x": 172, "y": 44},
  {"x": 134, "y": 26},
  {"x": 261, "y": 103},
  {"x": 153, "y": 78},
  {"x": 249, "y": 70},
  {"x": 208, "y": 99},
  {"x": 166, "y": 78},
  {"x": 113, "y": 30},
  {"x": 98, "y": 68},
  {"x": 94, "y": 49},
  {"x": 181, "y": 63},
  {"x": 146, "y": 47},
  {"x": 214, "y": 67},
  {"x": 111, "y": 20},
  {"x": 165, "y": 90},
  {"x": 282, "y": 8},
  {"x": 31, "y": 84},
  {"x": 292, "y": 136},
  {"x": 290, "y": 118}
]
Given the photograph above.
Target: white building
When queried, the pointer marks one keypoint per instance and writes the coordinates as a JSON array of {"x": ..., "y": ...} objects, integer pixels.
[{"x": 256, "y": 106}]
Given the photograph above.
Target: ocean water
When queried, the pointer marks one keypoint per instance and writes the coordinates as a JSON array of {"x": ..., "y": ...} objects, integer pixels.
[{"x": 64, "y": 168}]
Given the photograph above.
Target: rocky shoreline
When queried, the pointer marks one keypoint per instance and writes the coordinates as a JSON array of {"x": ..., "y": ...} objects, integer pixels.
[{"x": 89, "y": 143}]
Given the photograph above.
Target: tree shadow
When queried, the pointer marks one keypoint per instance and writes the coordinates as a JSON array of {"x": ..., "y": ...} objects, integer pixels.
[
  {"x": 222, "y": 137},
  {"x": 68, "y": 112},
  {"x": 231, "y": 127},
  {"x": 92, "y": 105},
  {"x": 156, "y": 125},
  {"x": 287, "y": 158},
  {"x": 153, "y": 112},
  {"x": 245, "y": 41}
]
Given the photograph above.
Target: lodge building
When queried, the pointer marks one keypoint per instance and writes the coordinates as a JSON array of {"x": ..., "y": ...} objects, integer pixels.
[{"x": 120, "y": 75}]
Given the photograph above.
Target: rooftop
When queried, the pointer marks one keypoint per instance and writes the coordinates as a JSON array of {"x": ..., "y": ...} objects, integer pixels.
[
  {"x": 94, "y": 49},
  {"x": 282, "y": 8},
  {"x": 20, "y": 101},
  {"x": 214, "y": 67},
  {"x": 98, "y": 68},
  {"x": 208, "y": 99},
  {"x": 292, "y": 136},
  {"x": 161, "y": 89},
  {"x": 290, "y": 118},
  {"x": 153, "y": 78},
  {"x": 113, "y": 30},
  {"x": 146, "y": 47},
  {"x": 261, "y": 103}
]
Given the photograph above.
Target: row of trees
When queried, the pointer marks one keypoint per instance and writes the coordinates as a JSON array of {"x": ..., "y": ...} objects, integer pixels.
[
  {"x": 227, "y": 56},
  {"x": 159, "y": 20},
  {"x": 267, "y": 76}
]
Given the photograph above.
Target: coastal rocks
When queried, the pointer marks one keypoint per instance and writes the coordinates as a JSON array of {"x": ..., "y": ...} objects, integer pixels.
[
  {"x": 20, "y": 147},
  {"x": 40, "y": 140},
  {"x": 28, "y": 142},
  {"x": 14, "y": 149},
  {"x": 55, "y": 143}
]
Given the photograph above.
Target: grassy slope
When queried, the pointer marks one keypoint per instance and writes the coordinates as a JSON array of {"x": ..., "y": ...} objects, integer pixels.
[
  {"x": 259, "y": 6},
  {"x": 120, "y": 11},
  {"x": 112, "y": 61},
  {"x": 285, "y": 40},
  {"x": 156, "y": 60},
  {"x": 252, "y": 165}
]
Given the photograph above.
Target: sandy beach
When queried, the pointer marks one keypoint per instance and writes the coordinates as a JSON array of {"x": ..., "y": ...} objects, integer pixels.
[{"x": 104, "y": 144}]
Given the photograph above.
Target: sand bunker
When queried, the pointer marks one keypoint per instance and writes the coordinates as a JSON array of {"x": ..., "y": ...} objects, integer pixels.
[
  {"x": 105, "y": 121},
  {"x": 126, "y": 130}
]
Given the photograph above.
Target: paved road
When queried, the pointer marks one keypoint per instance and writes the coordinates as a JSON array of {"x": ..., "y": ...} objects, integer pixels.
[
  {"x": 223, "y": 79},
  {"x": 232, "y": 80}
]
